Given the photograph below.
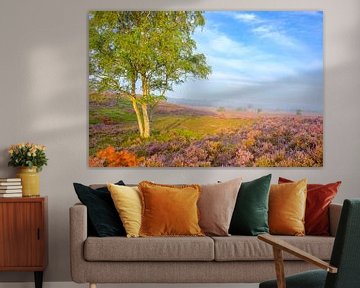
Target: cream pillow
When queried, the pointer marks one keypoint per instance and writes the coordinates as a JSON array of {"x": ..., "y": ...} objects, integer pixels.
[{"x": 127, "y": 201}]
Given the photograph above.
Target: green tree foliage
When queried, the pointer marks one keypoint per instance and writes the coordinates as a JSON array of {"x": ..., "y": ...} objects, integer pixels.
[{"x": 144, "y": 50}]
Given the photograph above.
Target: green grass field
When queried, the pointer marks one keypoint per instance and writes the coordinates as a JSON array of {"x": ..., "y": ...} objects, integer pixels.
[{"x": 163, "y": 127}]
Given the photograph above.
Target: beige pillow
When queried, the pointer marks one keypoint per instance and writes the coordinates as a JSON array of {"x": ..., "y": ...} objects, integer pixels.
[{"x": 216, "y": 206}]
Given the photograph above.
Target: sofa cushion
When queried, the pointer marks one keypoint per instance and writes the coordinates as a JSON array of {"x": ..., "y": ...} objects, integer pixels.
[
  {"x": 149, "y": 249},
  {"x": 244, "y": 248},
  {"x": 216, "y": 205},
  {"x": 169, "y": 210},
  {"x": 127, "y": 201},
  {"x": 250, "y": 215},
  {"x": 103, "y": 218},
  {"x": 287, "y": 204},
  {"x": 318, "y": 199}
]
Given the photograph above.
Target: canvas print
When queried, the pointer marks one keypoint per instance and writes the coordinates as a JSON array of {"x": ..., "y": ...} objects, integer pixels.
[{"x": 205, "y": 88}]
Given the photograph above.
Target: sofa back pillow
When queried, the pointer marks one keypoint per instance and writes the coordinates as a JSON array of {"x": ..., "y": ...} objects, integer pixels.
[
  {"x": 287, "y": 204},
  {"x": 216, "y": 206},
  {"x": 102, "y": 215},
  {"x": 319, "y": 197},
  {"x": 250, "y": 215},
  {"x": 169, "y": 210},
  {"x": 127, "y": 201}
]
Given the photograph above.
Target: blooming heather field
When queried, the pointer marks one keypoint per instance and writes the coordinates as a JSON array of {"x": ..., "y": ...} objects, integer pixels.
[{"x": 182, "y": 136}]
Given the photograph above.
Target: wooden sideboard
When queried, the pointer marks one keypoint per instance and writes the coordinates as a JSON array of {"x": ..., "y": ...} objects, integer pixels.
[{"x": 23, "y": 235}]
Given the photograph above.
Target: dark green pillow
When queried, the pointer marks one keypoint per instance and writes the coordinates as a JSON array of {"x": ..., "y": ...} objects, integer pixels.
[
  {"x": 250, "y": 216},
  {"x": 103, "y": 219}
]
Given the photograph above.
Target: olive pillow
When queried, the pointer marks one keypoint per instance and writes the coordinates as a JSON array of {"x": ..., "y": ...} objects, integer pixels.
[
  {"x": 102, "y": 214},
  {"x": 250, "y": 215}
]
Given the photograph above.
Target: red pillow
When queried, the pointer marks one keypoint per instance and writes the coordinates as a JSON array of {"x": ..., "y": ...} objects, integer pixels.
[{"x": 319, "y": 197}]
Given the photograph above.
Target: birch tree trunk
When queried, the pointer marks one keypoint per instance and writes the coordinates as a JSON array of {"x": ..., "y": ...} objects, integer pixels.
[
  {"x": 146, "y": 121},
  {"x": 135, "y": 106},
  {"x": 138, "y": 116},
  {"x": 145, "y": 114}
]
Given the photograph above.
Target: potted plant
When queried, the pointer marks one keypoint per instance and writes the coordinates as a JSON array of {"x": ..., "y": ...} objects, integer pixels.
[{"x": 30, "y": 158}]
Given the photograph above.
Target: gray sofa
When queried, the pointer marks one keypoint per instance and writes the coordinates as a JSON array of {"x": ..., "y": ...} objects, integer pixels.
[{"x": 234, "y": 259}]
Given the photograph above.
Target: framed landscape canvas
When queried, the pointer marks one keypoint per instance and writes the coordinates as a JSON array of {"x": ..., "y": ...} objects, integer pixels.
[{"x": 205, "y": 88}]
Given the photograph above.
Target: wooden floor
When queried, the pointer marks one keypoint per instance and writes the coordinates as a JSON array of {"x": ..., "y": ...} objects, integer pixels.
[{"x": 74, "y": 285}]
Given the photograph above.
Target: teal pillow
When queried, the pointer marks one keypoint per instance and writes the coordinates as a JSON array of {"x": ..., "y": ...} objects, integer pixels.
[{"x": 250, "y": 216}]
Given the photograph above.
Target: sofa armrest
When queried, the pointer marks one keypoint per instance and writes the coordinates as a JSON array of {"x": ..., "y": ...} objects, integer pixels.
[
  {"x": 334, "y": 216},
  {"x": 284, "y": 246},
  {"x": 78, "y": 235}
]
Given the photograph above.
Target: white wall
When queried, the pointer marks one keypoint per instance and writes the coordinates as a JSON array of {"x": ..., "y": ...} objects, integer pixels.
[{"x": 43, "y": 90}]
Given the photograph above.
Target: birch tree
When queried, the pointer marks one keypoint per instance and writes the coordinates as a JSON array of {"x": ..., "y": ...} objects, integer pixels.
[{"x": 147, "y": 51}]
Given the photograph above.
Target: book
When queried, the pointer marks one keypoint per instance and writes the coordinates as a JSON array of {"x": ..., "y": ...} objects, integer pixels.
[
  {"x": 4, "y": 195},
  {"x": 10, "y": 183},
  {"x": 10, "y": 179},
  {"x": 5, "y": 191},
  {"x": 10, "y": 187}
]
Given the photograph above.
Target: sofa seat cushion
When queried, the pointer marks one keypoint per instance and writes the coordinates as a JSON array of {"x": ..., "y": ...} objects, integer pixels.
[
  {"x": 149, "y": 249},
  {"x": 244, "y": 248}
]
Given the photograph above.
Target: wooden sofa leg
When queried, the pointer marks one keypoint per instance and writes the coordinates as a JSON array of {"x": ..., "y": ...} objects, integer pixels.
[{"x": 92, "y": 285}]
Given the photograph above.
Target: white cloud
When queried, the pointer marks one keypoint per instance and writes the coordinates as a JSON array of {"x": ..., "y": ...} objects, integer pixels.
[
  {"x": 269, "y": 29},
  {"x": 246, "y": 17},
  {"x": 276, "y": 35},
  {"x": 213, "y": 42},
  {"x": 251, "y": 68}
]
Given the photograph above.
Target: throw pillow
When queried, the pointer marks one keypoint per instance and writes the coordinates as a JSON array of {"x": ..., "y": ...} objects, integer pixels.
[
  {"x": 250, "y": 215},
  {"x": 216, "y": 206},
  {"x": 169, "y": 210},
  {"x": 127, "y": 201},
  {"x": 287, "y": 208},
  {"x": 319, "y": 197},
  {"x": 101, "y": 211}
]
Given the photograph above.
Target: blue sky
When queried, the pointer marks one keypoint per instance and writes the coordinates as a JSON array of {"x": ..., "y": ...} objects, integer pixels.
[{"x": 271, "y": 60}]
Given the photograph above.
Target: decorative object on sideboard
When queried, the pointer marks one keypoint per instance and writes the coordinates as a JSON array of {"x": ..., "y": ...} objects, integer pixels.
[
  {"x": 10, "y": 187},
  {"x": 30, "y": 158}
]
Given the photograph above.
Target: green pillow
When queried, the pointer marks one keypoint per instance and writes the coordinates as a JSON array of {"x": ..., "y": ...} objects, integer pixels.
[{"x": 250, "y": 216}]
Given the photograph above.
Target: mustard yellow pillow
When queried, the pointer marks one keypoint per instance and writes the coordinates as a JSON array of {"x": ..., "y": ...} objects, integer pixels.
[
  {"x": 127, "y": 201},
  {"x": 169, "y": 210},
  {"x": 287, "y": 204}
]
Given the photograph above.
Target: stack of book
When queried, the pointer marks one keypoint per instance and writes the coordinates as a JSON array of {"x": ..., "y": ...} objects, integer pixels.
[{"x": 10, "y": 187}]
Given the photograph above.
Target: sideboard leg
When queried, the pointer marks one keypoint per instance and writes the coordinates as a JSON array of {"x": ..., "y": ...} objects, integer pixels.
[
  {"x": 38, "y": 279},
  {"x": 92, "y": 285}
]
